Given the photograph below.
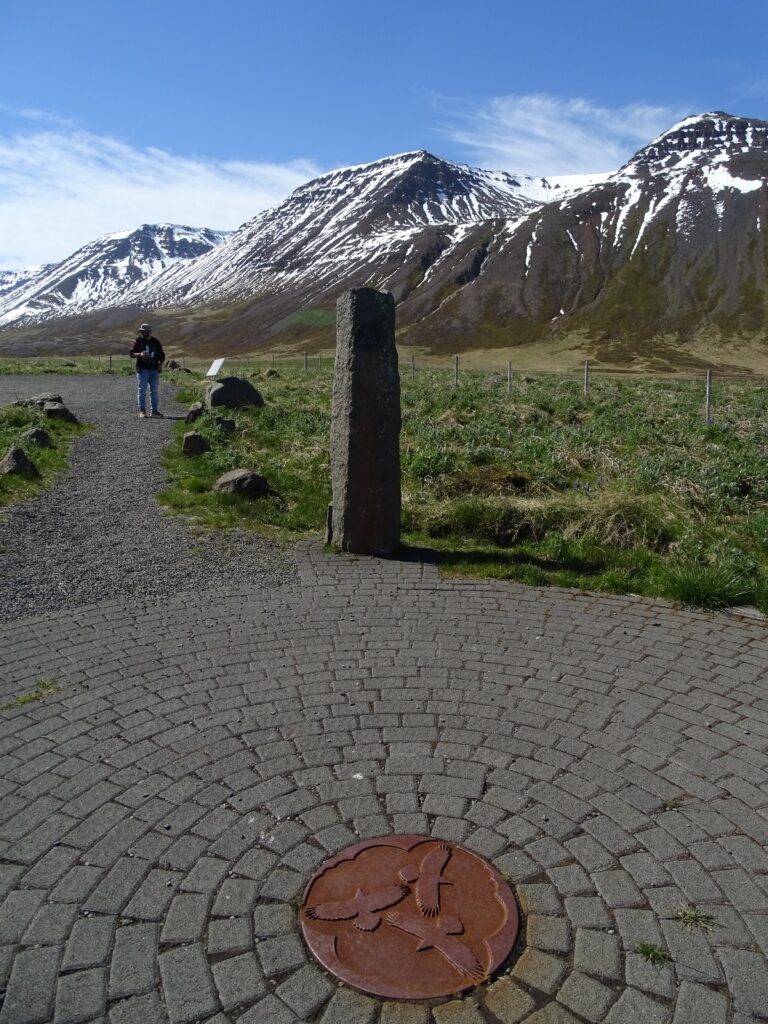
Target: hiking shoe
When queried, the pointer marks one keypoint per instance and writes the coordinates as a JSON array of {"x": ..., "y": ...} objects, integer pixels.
[
  {"x": 142, "y": 414},
  {"x": 157, "y": 415}
]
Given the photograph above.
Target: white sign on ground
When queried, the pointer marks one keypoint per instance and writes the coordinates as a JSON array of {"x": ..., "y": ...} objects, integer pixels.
[{"x": 215, "y": 367}]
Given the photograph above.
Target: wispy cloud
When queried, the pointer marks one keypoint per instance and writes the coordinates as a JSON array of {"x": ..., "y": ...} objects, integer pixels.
[
  {"x": 542, "y": 134},
  {"x": 757, "y": 89},
  {"x": 61, "y": 187}
]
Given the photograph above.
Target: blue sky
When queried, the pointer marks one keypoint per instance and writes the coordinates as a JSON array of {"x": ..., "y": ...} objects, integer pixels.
[{"x": 113, "y": 113}]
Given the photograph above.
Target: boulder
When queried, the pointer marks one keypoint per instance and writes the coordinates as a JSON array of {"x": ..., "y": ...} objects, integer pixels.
[
  {"x": 38, "y": 436},
  {"x": 227, "y": 426},
  {"x": 40, "y": 400},
  {"x": 194, "y": 444},
  {"x": 232, "y": 393},
  {"x": 16, "y": 461},
  {"x": 271, "y": 373},
  {"x": 172, "y": 365},
  {"x": 196, "y": 410},
  {"x": 59, "y": 411},
  {"x": 242, "y": 481}
]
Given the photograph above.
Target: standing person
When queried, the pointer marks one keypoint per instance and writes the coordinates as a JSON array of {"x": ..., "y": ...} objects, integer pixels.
[{"x": 149, "y": 356}]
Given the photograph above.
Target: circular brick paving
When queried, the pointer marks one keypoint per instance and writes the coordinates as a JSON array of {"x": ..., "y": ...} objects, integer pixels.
[{"x": 164, "y": 809}]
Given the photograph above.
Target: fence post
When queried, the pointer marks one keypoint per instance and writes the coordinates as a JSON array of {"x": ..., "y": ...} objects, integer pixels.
[
  {"x": 456, "y": 370},
  {"x": 110, "y": 362},
  {"x": 413, "y": 366},
  {"x": 586, "y": 378},
  {"x": 306, "y": 367},
  {"x": 320, "y": 360},
  {"x": 509, "y": 377},
  {"x": 708, "y": 404}
]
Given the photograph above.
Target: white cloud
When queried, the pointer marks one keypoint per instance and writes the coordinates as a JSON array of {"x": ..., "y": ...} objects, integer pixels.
[
  {"x": 542, "y": 134},
  {"x": 62, "y": 187}
]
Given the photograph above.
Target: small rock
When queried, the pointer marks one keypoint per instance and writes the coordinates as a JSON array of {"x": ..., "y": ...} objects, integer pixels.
[
  {"x": 228, "y": 426},
  {"x": 40, "y": 400},
  {"x": 242, "y": 481},
  {"x": 38, "y": 436},
  {"x": 194, "y": 444},
  {"x": 271, "y": 373},
  {"x": 173, "y": 365},
  {"x": 16, "y": 461},
  {"x": 233, "y": 393},
  {"x": 196, "y": 410},
  {"x": 59, "y": 411},
  {"x": 69, "y": 364}
]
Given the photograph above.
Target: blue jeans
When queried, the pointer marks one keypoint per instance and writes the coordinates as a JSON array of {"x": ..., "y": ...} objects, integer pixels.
[{"x": 151, "y": 377}]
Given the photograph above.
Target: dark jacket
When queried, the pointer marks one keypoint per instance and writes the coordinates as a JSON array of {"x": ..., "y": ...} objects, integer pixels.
[{"x": 149, "y": 353}]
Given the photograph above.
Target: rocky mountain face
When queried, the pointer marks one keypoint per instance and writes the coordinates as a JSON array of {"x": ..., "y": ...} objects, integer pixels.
[
  {"x": 669, "y": 246},
  {"x": 111, "y": 271}
]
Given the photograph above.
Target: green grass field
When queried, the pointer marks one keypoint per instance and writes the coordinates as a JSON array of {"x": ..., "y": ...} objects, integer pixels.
[
  {"x": 626, "y": 491},
  {"x": 14, "y": 421}
]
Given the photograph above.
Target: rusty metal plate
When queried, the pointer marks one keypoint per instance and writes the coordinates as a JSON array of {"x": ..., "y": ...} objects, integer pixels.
[{"x": 409, "y": 917}]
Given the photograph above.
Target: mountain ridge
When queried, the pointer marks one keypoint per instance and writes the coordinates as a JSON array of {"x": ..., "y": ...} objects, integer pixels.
[{"x": 669, "y": 244}]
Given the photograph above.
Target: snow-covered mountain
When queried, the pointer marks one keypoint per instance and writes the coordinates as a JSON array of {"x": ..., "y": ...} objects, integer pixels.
[
  {"x": 670, "y": 244},
  {"x": 110, "y": 271}
]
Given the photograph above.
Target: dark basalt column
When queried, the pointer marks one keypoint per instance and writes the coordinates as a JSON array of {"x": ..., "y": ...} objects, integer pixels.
[{"x": 365, "y": 427}]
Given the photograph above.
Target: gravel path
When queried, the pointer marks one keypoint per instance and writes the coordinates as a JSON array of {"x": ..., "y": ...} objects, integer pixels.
[{"x": 98, "y": 533}]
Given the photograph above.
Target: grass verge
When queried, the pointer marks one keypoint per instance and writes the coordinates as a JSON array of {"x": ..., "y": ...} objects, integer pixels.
[
  {"x": 14, "y": 422},
  {"x": 627, "y": 491}
]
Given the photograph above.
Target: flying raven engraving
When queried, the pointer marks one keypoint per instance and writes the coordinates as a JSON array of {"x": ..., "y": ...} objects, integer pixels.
[
  {"x": 428, "y": 877},
  {"x": 362, "y": 907},
  {"x": 439, "y": 935}
]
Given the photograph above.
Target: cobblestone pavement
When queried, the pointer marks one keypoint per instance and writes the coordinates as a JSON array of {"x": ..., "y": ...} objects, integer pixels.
[{"x": 164, "y": 808}]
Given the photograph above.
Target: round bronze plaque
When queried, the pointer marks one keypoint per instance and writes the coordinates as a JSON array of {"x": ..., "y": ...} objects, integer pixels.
[{"x": 409, "y": 917}]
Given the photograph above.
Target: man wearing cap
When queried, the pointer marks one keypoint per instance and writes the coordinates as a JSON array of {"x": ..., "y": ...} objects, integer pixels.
[{"x": 149, "y": 356}]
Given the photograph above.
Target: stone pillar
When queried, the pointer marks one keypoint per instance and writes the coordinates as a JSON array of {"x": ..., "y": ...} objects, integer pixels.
[{"x": 365, "y": 427}]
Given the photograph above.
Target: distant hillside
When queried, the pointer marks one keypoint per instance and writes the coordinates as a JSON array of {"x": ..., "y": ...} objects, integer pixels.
[{"x": 665, "y": 252}]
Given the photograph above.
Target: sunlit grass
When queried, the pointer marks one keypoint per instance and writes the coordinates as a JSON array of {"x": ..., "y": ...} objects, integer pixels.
[{"x": 626, "y": 491}]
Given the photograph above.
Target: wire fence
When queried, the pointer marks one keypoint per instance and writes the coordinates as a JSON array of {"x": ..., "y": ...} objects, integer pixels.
[{"x": 451, "y": 370}]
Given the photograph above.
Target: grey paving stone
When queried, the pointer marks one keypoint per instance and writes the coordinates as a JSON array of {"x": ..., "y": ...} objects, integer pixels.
[
  {"x": 349, "y": 1007},
  {"x": 16, "y": 913},
  {"x": 238, "y": 980},
  {"x": 270, "y": 1010},
  {"x": 229, "y": 936},
  {"x": 80, "y": 996},
  {"x": 132, "y": 970},
  {"x": 507, "y": 1001},
  {"x": 697, "y": 1003},
  {"x": 235, "y": 898},
  {"x": 539, "y": 970},
  {"x": 458, "y": 1012},
  {"x": 549, "y": 933},
  {"x": 403, "y": 1013},
  {"x": 147, "y": 1009},
  {"x": 281, "y": 954},
  {"x": 89, "y": 942},
  {"x": 186, "y": 918},
  {"x": 273, "y": 919},
  {"x": 657, "y": 979},
  {"x": 588, "y": 912},
  {"x": 50, "y": 925},
  {"x": 305, "y": 991},
  {"x": 585, "y": 996},
  {"x": 187, "y": 984},
  {"x": 598, "y": 953},
  {"x": 632, "y": 1006},
  {"x": 29, "y": 998},
  {"x": 747, "y": 980}
]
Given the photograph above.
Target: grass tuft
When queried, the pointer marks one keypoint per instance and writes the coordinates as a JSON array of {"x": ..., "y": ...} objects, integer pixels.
[
  {"x": 692, "y": 918},
  {"x": 654, "y": 954},
  {"x": 43, "y": 689}
]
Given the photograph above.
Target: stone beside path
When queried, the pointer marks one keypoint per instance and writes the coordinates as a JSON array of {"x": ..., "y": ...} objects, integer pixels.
[{"x": 193, "y": 758}]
